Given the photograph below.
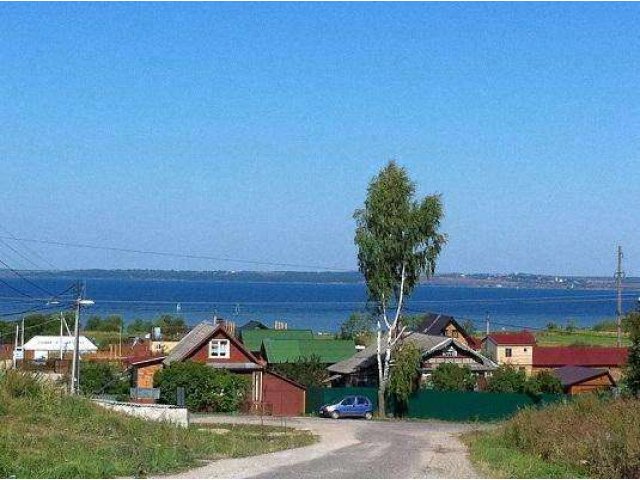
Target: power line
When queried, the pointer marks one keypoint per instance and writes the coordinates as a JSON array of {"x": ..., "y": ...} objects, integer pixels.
[
  {"x": 32, "y": 252},
  {"x": 35, "y": 285},
  {"x": 20, "y": 254}
]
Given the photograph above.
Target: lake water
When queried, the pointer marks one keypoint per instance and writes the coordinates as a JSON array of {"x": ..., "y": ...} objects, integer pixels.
[{"x": 322, "y": 307}]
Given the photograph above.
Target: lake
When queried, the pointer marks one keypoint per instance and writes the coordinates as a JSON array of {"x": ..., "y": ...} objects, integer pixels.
[{"x": 321, "y": 306}]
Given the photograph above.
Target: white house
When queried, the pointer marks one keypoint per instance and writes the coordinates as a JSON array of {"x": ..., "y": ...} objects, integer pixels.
[{"x": 49, "y": 346}]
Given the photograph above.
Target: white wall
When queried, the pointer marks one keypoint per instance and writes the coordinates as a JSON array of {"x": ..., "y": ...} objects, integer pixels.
[{"x": 158, "y": 413}]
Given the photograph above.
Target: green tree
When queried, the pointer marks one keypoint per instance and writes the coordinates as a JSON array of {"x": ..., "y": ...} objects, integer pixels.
[
  {"x": 450, "y": 377},
  {"x": 398, "y": 240},
  {"x": 172, "y": 326},
  {"x": 102, "y": 377},
  {"x": 469, "y": 327},
  {"x": 543, "y": 382},
  {"x": 358, "y": 327},
  {"x": 111, "y": 323},
  {"x": 632, "y": 368},
  {"x": 206, "y": 389},
  {"x": 139, "y": 327},
  {"x": 307, "y": 371},
  {"x": 507, "y": 379},
  {"x": 405, "y": 375}
]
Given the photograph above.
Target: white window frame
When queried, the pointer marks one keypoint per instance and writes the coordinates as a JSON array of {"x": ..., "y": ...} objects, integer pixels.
[{"x": 220, "y": 342}]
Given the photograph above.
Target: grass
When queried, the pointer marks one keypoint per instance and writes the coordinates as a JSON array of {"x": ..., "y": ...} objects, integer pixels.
[
  {"x": 580, "y": 338},
  {"x": 47, "y": 434},
  {"x": 588, "y": 437}
]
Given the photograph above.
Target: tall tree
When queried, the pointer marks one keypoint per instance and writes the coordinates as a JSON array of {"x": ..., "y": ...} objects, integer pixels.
[{"x": 398, "y": 240}]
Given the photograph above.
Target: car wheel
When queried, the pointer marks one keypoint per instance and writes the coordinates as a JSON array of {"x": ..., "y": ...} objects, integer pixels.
[
  {"x": 335, "y": 415},
  {"x": 368, "y": 415}
]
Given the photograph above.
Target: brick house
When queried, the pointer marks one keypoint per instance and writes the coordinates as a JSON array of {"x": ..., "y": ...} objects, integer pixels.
[
  {"x": 515, "y": 348},
  {"x": 211, "y": 344}
]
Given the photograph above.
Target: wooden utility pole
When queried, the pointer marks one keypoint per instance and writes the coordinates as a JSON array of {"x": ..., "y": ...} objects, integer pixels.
[
  {"x": 619, "y": 276},
  {"x": 487, "y": 319}
]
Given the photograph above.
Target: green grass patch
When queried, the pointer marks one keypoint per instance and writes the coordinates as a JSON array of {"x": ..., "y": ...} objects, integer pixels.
[
  {"x": 494, "y": 457},
  {"x": 47, "y": 434},
  {"x": 580, "y": 337}
]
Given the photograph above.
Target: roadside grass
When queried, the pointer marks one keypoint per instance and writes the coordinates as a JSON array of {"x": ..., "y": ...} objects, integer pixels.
[
  {"x": 580, "y": 337},
  {"x": 591, "y": 436},
  {"x": 47, "y": 434}
]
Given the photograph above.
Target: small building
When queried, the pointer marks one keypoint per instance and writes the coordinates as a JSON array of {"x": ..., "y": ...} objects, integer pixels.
[
  {"x": 212, "y": 345},
  {"x": 361, "y": 370},
  {"x": 612, "y": 359},
  {"x": 514, "y": 348},
  {"x": 43, "y": 347},
  {"x": 577, "y": 380}
]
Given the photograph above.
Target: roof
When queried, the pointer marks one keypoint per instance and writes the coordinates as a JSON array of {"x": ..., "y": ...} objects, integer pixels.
[
  {"x": 290, "y": 350},
  {"x": 253, "y": 339},
  {"x": 582, "y": 356},
  {"x": 571, "y": 375},
  {"x": 367, "y": 357},
  {"x": 512, "y": 338},
  {"x": 286, "y": 379},
  {"x": 54, "y": 342},
  {"x": 483, "y": 363},
  {"x": 475, "y": 342},
  {"x": 252, "y": 325},
  {"x": 143, "y": 361},
  {"x": 200, "y": 334}
]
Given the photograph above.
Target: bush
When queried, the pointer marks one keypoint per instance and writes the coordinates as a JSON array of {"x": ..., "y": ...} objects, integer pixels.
[
  {"x": 507, "y": 379},
  {"x": 453, "y": 378},
  {"x": 206, "y": 389},
  {"x": 17, "y": 384},
  {"x": 543, "y": 382},
  {"x": 102, "y": 377},
  {"x": 309, "y": 372},
  {"x": 599, "y": 435}
]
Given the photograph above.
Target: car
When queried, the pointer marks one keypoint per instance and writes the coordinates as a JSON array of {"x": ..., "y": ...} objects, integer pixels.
[{"x": 350, "y": 406}]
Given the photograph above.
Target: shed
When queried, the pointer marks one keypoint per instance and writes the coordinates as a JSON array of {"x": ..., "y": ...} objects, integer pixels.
[
  {"x": 42, "y": 346},
  {"x": 576, "y": 379}
]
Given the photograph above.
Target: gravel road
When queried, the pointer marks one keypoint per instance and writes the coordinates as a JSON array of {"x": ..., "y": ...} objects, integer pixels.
[{"x": 352, "y": 449}]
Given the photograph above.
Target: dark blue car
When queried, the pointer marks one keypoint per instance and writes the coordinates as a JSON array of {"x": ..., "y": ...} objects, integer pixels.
[{"x": 351, "y": 406}]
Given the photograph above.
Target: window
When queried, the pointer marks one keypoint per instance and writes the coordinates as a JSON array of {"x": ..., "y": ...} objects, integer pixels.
[
  {"x": 219, "y": 348},
  {"x": 348, "y": 401},
  {"x": 450, "y": 352},
  {"x": 362, "y": 401},
  {"x": 525, "y": 349},
  {"x": 508, "y": 352},
  {"x": 454, "y": 333}
]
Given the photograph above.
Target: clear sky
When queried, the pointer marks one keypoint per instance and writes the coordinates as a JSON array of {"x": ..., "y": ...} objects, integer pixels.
[{"x": 251, "y": 130}]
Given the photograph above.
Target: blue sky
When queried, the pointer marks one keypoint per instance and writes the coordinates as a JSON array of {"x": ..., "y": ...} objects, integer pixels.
[{"x": 251, "y": 130}]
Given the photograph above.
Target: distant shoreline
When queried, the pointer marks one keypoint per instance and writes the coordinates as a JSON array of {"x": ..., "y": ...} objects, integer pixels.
[{"x": 454, "y": 280}]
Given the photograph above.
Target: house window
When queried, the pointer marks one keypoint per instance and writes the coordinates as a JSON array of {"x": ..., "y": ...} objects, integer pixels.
[
  {"x": 454, "y": 333},
  {"x": 508, "y": 352},
  {"x": 219, "y": 348}
]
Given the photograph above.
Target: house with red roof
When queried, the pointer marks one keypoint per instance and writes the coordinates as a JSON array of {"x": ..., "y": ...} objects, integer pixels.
[
  {"x": 612, "y": 359},
  {"x": 515, "y": 348}
]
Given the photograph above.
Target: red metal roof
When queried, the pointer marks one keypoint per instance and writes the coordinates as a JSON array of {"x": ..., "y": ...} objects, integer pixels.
[
  {"x": 582, "y": 356},
  {"x": 513, "y": 338}
]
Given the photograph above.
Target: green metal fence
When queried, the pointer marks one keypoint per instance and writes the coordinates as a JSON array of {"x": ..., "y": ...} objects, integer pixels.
[{"x": 453, "y": 406}]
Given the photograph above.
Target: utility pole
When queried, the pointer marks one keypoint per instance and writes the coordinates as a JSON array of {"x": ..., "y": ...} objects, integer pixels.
[
  {"x": 75, "y": 363},
  {"x": 619, "y": 276},
  {"x": 487, "y": 320},
  {"x": 61, "y": 332}
]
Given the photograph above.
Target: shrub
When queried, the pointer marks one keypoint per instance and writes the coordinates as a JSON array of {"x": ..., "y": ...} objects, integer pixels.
[
  {"x": 507, "y": 379},
  {"x": 453, "y": 378},
  {"x": 102, "y": 377},
  {"x": 543, "y": 382},
  {"x": 309, "y": 372},
  {"x": 206, "y": 389},
  {"x": 599, "y": 435},
  {"x": 632, "y": 369},
  {"x": 16, "y": 384}
]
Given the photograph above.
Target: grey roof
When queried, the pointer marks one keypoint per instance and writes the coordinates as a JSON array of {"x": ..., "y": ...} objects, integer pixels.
[
  {"x": 191, "y": 340},
  {"x": 570, "y": 375},
  {"x": 427, "y": 344},
  {"x": 367, "y": 357}
]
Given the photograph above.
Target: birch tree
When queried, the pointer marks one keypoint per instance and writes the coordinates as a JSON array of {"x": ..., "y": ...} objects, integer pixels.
[{"x": 398, "y": 241}]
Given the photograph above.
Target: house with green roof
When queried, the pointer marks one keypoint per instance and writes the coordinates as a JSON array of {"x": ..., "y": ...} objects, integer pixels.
[{"x": 280, "y": 350}]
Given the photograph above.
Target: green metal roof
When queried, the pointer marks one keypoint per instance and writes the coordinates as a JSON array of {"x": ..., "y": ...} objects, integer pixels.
[
  {"x": 291, "y": 350},
  {"x": 253, "y": 339}
]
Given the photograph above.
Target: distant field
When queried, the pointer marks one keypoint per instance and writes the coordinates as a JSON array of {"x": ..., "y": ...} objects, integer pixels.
[{"x": 580, "y": 337}]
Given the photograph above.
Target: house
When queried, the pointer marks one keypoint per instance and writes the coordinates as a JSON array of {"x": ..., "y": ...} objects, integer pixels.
[
  {"x": 577, "y": 380},
  {"x": 361, "y": 369},
  {"x": 612, "y": 359},
  {"x": 43, "y": 347},
  {"x": 447, "y": 326},
  {"x": 515, "y": 348},
  {"x": 285, "y": 350},
  {"x": 211, "y": 344}
]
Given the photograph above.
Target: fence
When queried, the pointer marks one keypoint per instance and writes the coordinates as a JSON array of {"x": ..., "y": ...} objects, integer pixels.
[{"x": 453, "y": 406}]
